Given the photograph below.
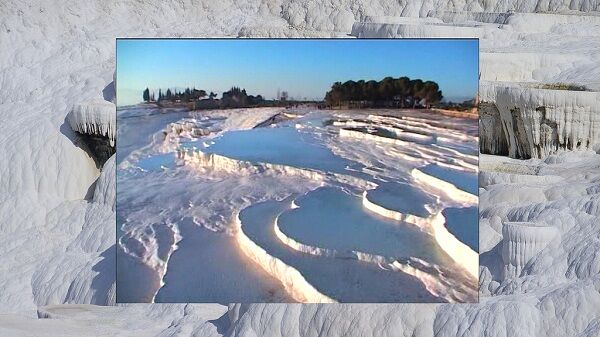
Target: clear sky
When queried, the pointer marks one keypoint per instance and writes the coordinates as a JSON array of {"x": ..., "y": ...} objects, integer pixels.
[{"x": 303, "y": 67}]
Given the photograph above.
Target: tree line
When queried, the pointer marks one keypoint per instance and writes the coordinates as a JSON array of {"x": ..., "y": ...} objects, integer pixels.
[
  {"x": 235, "y": 97},
  {"x": 399, "y": 92},
  {"x": 186, "y": 95}
]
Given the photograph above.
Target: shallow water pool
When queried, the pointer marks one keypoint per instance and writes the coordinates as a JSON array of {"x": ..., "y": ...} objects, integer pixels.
[
  {"x": 464, "y": 180},
  {"x": 157, "y": 162},
  {"x": 280, "y": 145},
  {"x": 332, "y": 218}
]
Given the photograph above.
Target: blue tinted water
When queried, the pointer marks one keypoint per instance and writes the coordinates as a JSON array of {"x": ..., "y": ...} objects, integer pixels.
[
  {"x": 331, "y": 218},
  {"x": 281, "y": 145},
  {"x": 464, "y": 224},
  {"x": 157, "y": 162},
  {"x": 346, "y": 280},
  {"x": 466, "y": 181},
  {"x": 403, "y": 198}
]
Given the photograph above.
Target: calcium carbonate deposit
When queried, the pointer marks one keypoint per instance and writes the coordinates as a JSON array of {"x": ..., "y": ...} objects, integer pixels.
[
  {"x": 539, "y": 168},
  {"x": 302, "y": 201}
]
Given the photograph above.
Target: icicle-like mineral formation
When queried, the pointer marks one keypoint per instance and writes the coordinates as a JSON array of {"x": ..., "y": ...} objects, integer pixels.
[
  {"x": 521, "y": 242},
  {"x": 96, "y": 122},
  {"x": 538, "y": 122},
  {"x": 492, "y": 138},
  {"x": 97, "y": 117}
]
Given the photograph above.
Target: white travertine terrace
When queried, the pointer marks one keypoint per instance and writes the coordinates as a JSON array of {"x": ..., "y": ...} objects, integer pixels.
[
  {"x": 292, "y": 279},
  {"x": 413, "y": 266},
  {"x": 492, "y": 178},
  {"x": 433, "y": 277},
  {"x": 456, "y": 194},
  {"x": 434, "y": 224},
  {"x": 393, "y": 214},
  {"x": 458, "y": 250},
  {"x": 422, "y": 131},
  {"x": 526, "y": 66},
  {"x": 367, "y": 136},
  {"x": 221, "y": 163},
  {"x": 435, "y": 30}
]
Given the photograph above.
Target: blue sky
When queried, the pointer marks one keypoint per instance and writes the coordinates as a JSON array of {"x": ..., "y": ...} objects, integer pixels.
[{"x": 303, "y": 67}]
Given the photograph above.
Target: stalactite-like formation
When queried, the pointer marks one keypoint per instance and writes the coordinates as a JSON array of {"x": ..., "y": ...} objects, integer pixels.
[
  {"x": 95, "y": 122},
  {"x": 521, "y": 242}
]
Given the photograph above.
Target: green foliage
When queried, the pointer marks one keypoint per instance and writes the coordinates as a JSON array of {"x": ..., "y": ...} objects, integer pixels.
[
  {"x": 563, "y": 86},
  {"x": 187, "y": 95},
  {"x": 396, "y": 92},
  {"x": 238, "y": 98}
]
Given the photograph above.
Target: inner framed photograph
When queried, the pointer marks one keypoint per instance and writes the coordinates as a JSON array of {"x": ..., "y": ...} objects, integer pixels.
[{"x": 297, "y": 170}]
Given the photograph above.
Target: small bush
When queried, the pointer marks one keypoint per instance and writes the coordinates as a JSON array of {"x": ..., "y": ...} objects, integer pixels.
[{"x": 563, "y": 86}]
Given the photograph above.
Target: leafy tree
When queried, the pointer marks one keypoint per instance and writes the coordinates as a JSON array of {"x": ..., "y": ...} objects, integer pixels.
[
  {"x": 431, "y": 93},
  {"x": 387, "y": 92},
  {"x": 336, "y": 95},
  {"x": 386, "y": 88},
  {"x": 416, "y": 93},
  {"x": 235, "y": 97},
  {"x": 146, "y": 95},
  {"x": 402, "y": 89}
]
